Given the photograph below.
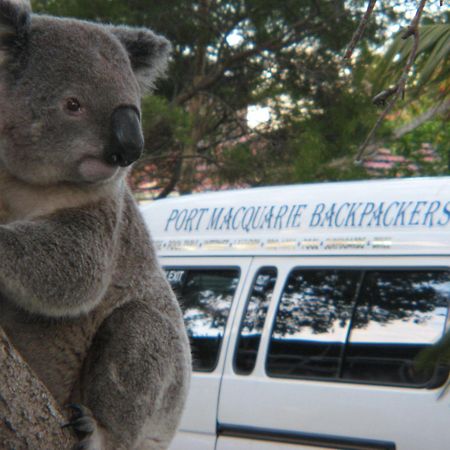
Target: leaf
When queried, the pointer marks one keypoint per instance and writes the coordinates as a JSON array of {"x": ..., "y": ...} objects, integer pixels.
[
  {"x": 438, "y": 56},
  {"x": 430, "y": 63}
]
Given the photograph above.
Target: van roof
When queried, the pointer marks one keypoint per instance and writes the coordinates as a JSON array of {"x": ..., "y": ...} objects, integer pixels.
[{"x": 400, "y": 216}]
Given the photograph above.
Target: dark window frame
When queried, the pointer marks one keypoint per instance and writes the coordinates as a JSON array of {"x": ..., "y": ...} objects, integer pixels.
[
  {"x": 247, "y": 302},
  {"x": 211, "y": 268},
  {"x": 440, "y": 374}
]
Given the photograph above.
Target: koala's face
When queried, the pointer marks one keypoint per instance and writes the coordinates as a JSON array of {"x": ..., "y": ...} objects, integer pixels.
[{"x": 70, "y": 96}]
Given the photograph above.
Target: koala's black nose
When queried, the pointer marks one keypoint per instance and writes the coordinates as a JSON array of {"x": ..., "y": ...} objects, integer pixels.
[{"x": 127, "y": 141}]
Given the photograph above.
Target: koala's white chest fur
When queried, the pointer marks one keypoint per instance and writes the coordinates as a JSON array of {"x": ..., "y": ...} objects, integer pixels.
[{"x": 21, "y": 201}]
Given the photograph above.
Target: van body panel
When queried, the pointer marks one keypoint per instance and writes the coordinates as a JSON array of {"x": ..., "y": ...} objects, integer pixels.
[
  {"x": 185, "y": 441},
  {"x": 386, "y": 217},
  {"x": 345, "y": 410},
  {"x": 230, "y": 443},
  {"x": 391, "y": 225},
  {"x": 328, "y": 408},
  {"x": 199, "y": 421}
]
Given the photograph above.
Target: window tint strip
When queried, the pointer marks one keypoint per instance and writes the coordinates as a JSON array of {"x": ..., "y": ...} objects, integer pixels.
[{"x": 311, "y": 439}]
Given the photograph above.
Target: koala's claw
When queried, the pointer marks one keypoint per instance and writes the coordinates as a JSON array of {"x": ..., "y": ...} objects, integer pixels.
[
  {"x": 82, "y": 446},
  {"x": 82, "y": 421},
  {"x": 85, "y": 426}
]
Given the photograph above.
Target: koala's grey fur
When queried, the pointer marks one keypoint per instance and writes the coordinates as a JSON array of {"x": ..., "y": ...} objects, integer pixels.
[{"x": 81, "y": 294}]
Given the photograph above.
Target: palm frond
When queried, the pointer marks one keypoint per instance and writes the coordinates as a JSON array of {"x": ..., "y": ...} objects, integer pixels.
[{"x": 432, "y": 60}]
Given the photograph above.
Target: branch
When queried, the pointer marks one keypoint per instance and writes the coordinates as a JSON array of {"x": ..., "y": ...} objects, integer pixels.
[
  {"x": 412, "y": 30},
  {"x": 29, "y": 416},
  {"x": 440, "y": 108},
  {"x": 360, "y": 30},
  {"x": 170, "y": 186},
  {"x": 208, "y": 80}
]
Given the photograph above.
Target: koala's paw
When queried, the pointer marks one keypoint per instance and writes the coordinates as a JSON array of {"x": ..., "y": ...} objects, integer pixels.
[{"x": 84, "y": 424}]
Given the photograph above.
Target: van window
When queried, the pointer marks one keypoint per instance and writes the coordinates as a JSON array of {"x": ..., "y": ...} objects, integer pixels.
[
  {"x": 205, "y": 297},
  {"x": 312, "y": 323},
  {"x": 253, "y": 320},
  {"x": 399, "y": 313},
  {"x": 367, "y": 326}
]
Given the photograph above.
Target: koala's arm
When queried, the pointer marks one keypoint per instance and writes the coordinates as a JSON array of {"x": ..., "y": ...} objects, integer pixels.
[
  {"x": 58, "y": 265},
  {"x": 136, "y": 374}
]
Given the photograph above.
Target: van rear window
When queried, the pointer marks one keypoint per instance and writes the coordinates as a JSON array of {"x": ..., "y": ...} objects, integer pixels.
[
  {"x": 205, "y": 297},
  {"x": 363, "y": 326}
]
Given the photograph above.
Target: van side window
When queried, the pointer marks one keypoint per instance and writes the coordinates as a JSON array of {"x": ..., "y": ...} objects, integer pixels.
[
  {"x": 399, "y": 313},
  {"x": 253, "y": 320},
  {"x": 205, "y": 297},
  {"x": 312, "y": 323}
]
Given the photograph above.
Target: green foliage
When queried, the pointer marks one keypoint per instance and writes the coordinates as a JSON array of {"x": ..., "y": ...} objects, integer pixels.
[
  {"x": 288, "y": 49},
  {"x": 158, "y": 112},
  {"x": 432, "y": 64},
  {"x": 438, "y": 353},
  {"x": 436, "y": 131},
  {"x": 286, "y": 55}
]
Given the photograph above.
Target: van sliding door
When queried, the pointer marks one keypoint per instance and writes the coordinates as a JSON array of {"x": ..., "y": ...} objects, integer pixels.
[{"x": 324, "y": 351}]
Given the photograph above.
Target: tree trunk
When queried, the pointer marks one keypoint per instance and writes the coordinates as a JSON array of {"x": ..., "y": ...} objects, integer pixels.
[
  {"x": 29, "y": 416},
  {"x": 196, "y": 110}
]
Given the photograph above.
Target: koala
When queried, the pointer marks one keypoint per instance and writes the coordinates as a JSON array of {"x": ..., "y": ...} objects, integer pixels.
[{"x": 82, "y": 297}]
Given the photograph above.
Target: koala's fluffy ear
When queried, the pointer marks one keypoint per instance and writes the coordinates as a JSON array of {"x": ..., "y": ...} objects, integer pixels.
[
  {"x": 14, "y": 23},
  {"x": 148, "y": 53}
]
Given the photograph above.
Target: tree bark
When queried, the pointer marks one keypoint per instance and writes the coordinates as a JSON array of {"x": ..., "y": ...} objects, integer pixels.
[{"x": 29, "y": 416}]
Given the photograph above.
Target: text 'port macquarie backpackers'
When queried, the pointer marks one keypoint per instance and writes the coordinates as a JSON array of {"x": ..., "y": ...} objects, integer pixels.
[{"x": 333, "y": 215}]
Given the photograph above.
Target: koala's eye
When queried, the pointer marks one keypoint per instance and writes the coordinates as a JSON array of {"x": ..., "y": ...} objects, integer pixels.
[{"x": 73, "y": 105}]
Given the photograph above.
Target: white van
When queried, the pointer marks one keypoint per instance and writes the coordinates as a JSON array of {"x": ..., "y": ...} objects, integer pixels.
[{"x": 307, "y": 307}]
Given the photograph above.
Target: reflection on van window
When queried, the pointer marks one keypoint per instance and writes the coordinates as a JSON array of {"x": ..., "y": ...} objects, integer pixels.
[
  {"x": 253, "y": 320},
  {"x": 398, "y": 314},
  {"x": 205, "y": 296},
  {"x": 367, "y": 326},
  {"x": 312, "y": 323}
]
